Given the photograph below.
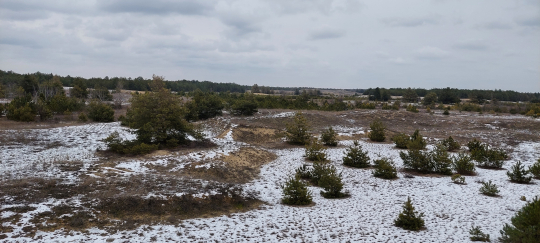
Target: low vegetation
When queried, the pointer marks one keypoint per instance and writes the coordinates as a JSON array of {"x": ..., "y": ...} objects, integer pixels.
[
  {"x": 525, "y": 226},
  {"x": 329, "y": 137},
  {"x": 315, "y": 151},
  {"x": 489, "y": 189},
  {"x": 409, "y": 219},
  {"x": 485, "y": 156},
  {"x": 355, "y": 156},
  {"x": 435, "y": 161},
  {"x": 384, "y": 169},
  {"x": 519, "y": 174},
  {"x": 377, "y": 133},
  {"x": 298, "y": 132},
  {"x": 295, "y": 192},
  {"x": 477, "y": 235}
]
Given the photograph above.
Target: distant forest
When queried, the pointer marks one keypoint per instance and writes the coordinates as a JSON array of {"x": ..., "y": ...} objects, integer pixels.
[{"x": 9, "y": 78}]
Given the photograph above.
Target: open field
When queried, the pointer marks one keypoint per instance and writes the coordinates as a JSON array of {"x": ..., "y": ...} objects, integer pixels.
[{"x": 57, "y": 184}]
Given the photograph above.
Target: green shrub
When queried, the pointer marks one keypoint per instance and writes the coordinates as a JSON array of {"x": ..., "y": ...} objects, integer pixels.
[
  {"x": 463, "y": 164},
  {"x": 525, "y": 226},
  {"x": 203, "y": 105},
  {"x": 489, "y": 189},
  {"x": 446, "y": 112},
  {"x": 304, "y": 172},
  {"x": 366, "y": 105},
  {"x": 295, "y": 192},
  {"x": 319, "y": 170},
  {"x": 116, "y": 144},
  {"x": 355, "y": 156},
  {"x": 385, "y": 169},
  {"x": 401, "y": 140},
  {"x": 451, "y": 144},
  {"x": 518, "y": 174},
  {"x": 412, "y": 108},
  {"x": 535, "y": 169},
  {"x": 458, "y": 179},
  {"x": 298, "y": 131},
  {"x": 416, "y": 141},
  {"x": 477, "y": 235},
  {"x": 474, "y": 144},
  {"x": 331, "y": 184},
  {"x": 21, "y": 109},
  {"x": 486, "y": 156},
  {"x": 377, "y": 131},
  {"x": 244, "y": 108},
  {"x": 409, "y": 219},
  {"x": 385, "y": 106},
  {"x": 435, "y": 161},
  {"x": 329, "y": 137},
  {"x": 315, "y": 151},
  {"x": 83, "y": 117},
  {"x": 100, "y": 112}
]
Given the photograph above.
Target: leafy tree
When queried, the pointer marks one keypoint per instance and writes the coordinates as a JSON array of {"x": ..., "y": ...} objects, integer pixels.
[
  {"x": 377, "y": 131},
  {"x": 21, "y": 109},
  {"x": 79, "y": 89},
  {"x": 329, "y": 137},
  {"x": 525, "y": 227},
  {"x": 29, "y": 84},
  {"x": 410, "y": 96},
  {"x": 295, "y": 192},
  {"x": 100, "y": 112},
  {"x": 430, "y": 99},
  {"x": 355, "y": 156},
  {"x": 158, "y": 116},
  {"x": 519, "y": 174},
  {"x": 244, "y": 108},
  {"x": 204, "y": 106},
  {"x": 101, "y": 93},
  {"x": 297, "y": 132},
  {"x": 448, "y": 96},
  {"x": 385, "y": 169},
  {"x": 409, "y": 219},
  {"x": 255, "y": 89}
]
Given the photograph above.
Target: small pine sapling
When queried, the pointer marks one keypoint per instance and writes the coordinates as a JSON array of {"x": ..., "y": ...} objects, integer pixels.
[
  {"x": 518, "y": 174},
  {"x": 377, "y": 131},
  {"x": 463, "y": 164},
  {"x": 409, "y": 219},
  {"x": 304, "y": 172},
  {"x": 417, "y": 141},
  {"x": 295, "y": 192},
  {"x": 535, "y": 169},
  {"x": 441, "y": 160},
  {"x": 458, "y": 179},
  {"x": 355, "y": 156},
  {"x": 401, "y": 140},
  {"x": 385, "y": 169},
  {"x": 320, "y": 169},
  {"x": 477, "y": 234},
  {"x": 489, "y": 189},
  {"x": 332, "y": 184},
  {"x": 297, "y": 132},
  {"x": 451, "y": 144},
  {"x": 329, "y": 137},
  {"x": 315, "y": 151},
  {"x": 525, "y": 227}
]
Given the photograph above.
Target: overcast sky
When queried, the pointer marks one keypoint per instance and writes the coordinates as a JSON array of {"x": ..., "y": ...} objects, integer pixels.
[{"x": 472, "y": 44}]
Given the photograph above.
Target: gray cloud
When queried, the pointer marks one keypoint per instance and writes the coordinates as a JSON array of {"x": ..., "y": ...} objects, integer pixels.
[
  {"x": 411, "y": 21},
  {"x": 326, "y": 32},
  {"x": 431, "y": 53},
  {"x": 278, "y": 42},
  {"x": 156, "y": 7},
  {"x": 473, "y": 45},
  {"x": 495, "y": 25}
]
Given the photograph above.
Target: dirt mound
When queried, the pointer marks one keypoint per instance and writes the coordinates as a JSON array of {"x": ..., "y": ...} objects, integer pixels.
[
  {"x": 257, "y": 135},
  {"x": 241, "y": 166}
]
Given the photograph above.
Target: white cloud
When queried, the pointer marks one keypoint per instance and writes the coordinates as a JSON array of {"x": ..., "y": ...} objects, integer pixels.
[{"x": 429, "y": 52}]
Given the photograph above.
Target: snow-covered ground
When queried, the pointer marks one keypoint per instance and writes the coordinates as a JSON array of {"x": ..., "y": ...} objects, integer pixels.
[{"x": 367, "y": 216}]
